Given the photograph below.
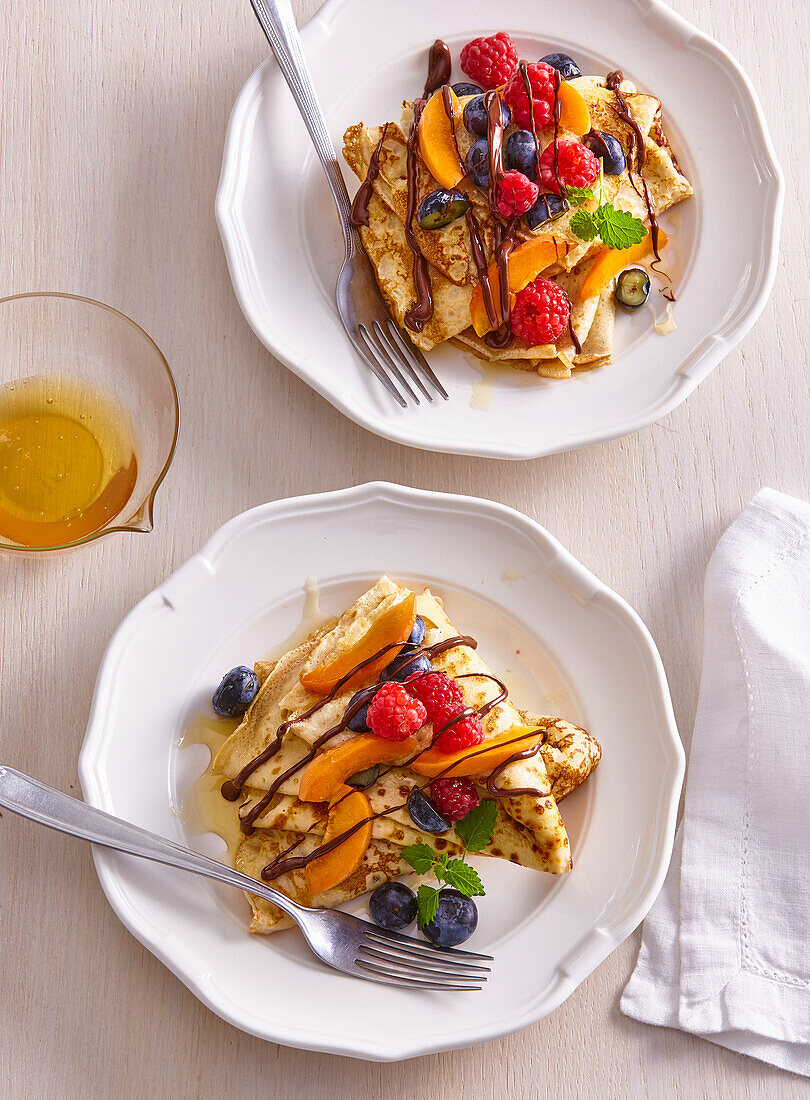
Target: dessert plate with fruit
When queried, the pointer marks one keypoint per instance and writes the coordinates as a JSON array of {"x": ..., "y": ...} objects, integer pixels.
[
  {"x": 567, "y": 179},
  {"x": 442, "y": 750}
]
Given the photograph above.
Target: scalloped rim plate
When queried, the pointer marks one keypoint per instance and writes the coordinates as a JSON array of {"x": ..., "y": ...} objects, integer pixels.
[{"x": 566, "y": 642}]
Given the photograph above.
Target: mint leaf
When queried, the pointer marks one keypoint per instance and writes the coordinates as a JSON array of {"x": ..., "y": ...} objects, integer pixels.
[
  {"x": 584, "y": 225},
  {"x": 440, "y": 865},
  {"x": 464, "y": 878},
  {"x": 427, "y": 902},
  {"x": 420, "y": 856},
  {"x": 578, "y": 195},
  {"x": 618, "y": 228},
  {"x": 475, "y": 830}
]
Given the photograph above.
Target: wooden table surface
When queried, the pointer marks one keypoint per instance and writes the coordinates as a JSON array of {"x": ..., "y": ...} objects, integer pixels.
[{"x": 112, "y": 127}]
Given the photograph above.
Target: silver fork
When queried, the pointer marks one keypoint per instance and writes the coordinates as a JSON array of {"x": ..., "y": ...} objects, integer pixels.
[
  {"x": 345, "y": 942},
  {"x": 387, "y": 349}
]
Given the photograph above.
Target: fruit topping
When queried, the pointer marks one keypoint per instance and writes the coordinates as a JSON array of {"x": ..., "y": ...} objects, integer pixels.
[
  {"x": 392, "y": 906},
  {"x": 541, "y": 82},
  {"x": 407, "y": 665},
  {"x": 440, "y": 208},
  {"x": 476, "y": 163},
  {"x": 365, "y": 778},
  {"x": 358, "y": 723},
  {"x": 418, "y": 632},
  {"x": 459, "y": 734},
  {"x": 490, "y": 61},
  {"x": 608, "y": 149},
  {"x": 565, "y": 65},
  {"x": 441, "y": 695},
  {"x": 348, "y": 810},
  {"x": 424, "y": 814},
  {"x": 475, "y": 116},
  {"x": 472, "y": 761},
  {"x": 576, "y": 166},
  {"x": 574, "y": 113},
  {"x": 524, "y": 264},
  {"x": 455, "y": 920},
  {"x": 392, "y": 627},
  {"x": 520, "y": 153},
  {"x": 461, "y": 89},
  {"x": 545, "y": 209},
  {"x": 633, "y": 288},
  {"x": 436, "y": 145},
  {"x": 394, "y": 713},
  {"x": 236, "y": 692},
  {"x": 454, "y": 798},
  {"x": 330, "y": 769},
  {"x": 540, "y": 313},
  {"x": 516, "y": 194},
  {"x": 610, "y": 261}
]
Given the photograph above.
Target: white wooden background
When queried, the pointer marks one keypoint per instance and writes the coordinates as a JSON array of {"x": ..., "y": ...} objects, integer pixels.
[{"x": 111, "y": 130}]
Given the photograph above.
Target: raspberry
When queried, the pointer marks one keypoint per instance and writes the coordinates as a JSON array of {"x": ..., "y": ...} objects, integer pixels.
[
  {"x": 394, "y": 713},
  {"x": 540, "y": 312},
  {"x": 576, "y": 166},
  {"x": 454, "y": 798},
  {"x": 461, "y": 735},
  {"x": 440, "y": 695},
  {"x": 541, "y": 82},
  {"x": 516, "y": 194},
  {"x": 490, "y": 61}
]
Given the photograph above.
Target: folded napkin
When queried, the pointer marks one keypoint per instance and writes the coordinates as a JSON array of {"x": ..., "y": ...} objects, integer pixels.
[{"x": 725, "y": 951}]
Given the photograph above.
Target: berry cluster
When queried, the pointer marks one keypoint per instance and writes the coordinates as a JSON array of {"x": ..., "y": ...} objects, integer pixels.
[{"x": 401, "y": 709}]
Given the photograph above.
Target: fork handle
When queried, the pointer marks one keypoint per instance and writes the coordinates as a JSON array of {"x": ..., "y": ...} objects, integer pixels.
[
  {"x": 278, "y": 23},
  {"x": 39, "y": 802}
]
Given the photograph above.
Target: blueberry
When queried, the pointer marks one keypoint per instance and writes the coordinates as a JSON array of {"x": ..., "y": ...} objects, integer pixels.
[
  {"x": 237, "y": 691},
  {"x": 565, "y": 65},
  {"x": 392, "y": 906},
  {"x": 520, "y": 153},
  {"x": 441, "y": 207},
  {"x": 365, "y": 778},
  {"x": 547, "y": 207},
  {"x": 467, "y": 89},
  {"x": 357, "y": 723},
  {"x": 418, "y": 633},
  {"x": 476, "y": 163},
  {"x": 475, "y": 116},
  {"x": 455, "y": 921},
  {"x": 608, "y": 149},
  {"x": 405, "y": 664},
  {"x": 424, "y": 814},
  {"x": 633, "y": 288}
]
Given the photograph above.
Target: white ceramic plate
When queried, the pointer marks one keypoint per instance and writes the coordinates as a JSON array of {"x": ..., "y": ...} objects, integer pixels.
[
  {"x": 284, "y": 248},
  {"x": 566, "y": 643}
]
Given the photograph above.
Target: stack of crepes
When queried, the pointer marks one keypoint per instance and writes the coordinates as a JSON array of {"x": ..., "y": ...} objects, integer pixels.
[
  {"x": 529, "y": 830},
  {"x": 453, "y": 272}
]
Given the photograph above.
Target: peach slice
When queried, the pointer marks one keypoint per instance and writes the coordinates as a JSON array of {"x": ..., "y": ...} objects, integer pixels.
[
  {"x": 478, "y": 759},
  {"x": 327, "y": 773},
  {"x": 350, "y": 808},
  {"x": 610, "y": 261},
  {"x": 394, "y": 625},
  {"x": 525, "y": 263},
  {"x": 436, "y": 146},
  {"x": 574, "y": 113}
]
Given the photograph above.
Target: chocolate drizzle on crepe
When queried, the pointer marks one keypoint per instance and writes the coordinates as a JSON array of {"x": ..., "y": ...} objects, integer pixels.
[{"x": 359, "y": 212}]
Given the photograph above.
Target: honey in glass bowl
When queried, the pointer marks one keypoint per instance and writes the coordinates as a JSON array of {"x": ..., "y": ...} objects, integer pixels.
[{"x": 67, "y": 460}]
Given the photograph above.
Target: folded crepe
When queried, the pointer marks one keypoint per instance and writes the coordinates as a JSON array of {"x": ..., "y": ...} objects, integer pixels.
[{"x": 529, "y": 830}]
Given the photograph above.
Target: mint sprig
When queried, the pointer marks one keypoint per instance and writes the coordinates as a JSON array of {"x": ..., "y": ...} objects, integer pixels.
[
  {"x": 475, "y": 832},
  {"x": 578, "y": 195},
  {"x": 616, "y": 228}
]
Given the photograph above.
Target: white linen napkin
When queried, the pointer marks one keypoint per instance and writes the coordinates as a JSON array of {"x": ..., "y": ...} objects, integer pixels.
[{"x": 725, "y": 950}]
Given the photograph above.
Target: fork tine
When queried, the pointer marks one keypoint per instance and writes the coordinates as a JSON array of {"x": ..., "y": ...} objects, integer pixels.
[
  {"x": 392, "y": 978},
  {"x": 401, "y": 360},
  {"x": 410, "y": 349},
  {"x": 384, "y": 357},
  {"x": 379, "y": 372},
  {"x": 406, "y": 943},
  {"x": 470, "y": 973}
]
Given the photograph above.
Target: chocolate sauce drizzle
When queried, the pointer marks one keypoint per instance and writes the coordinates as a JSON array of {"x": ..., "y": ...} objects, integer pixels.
[
  {"x": 422, "y": 309},
  {"x": 439, "y": 66},
  {"x": 359, "y": 212}
]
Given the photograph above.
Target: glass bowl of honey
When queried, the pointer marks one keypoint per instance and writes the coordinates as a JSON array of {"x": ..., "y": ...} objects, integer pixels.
[{"x": 88, "y": 422}]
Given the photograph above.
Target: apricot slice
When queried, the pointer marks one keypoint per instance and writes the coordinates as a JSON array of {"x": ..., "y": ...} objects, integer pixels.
[
  {"x": 478, "y": 759},
  {"x": 333, "y": 867},
  {"x": 394, "y": 625},
  {"x": 574, "y": 113},
  {"x": 327, "y": 773},
  {"x": 525, "y": 263},
  {"x": 610, "y": 261},
  {"x": 436, "y": 146}
]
